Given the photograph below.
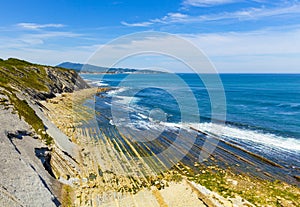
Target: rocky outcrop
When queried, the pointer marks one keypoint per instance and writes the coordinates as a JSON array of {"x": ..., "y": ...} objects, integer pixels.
[
  {"x": 29, "y": 168},
  {"x": 37, "y": 81},
  {"x": 23, "y": 179},
  {"x": 61, "y": 81},
  {"x": 62, "y": 165}
]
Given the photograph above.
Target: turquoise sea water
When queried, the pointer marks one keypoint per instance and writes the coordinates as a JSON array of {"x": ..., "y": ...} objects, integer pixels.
[{"x": 262, "y": 110}]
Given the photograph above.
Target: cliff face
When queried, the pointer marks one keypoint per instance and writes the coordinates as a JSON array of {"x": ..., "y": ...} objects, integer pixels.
[
  {"x": 24, "y": 83},
  {"x": 38, "y": 81},
  {"x": 26, "y": 136}
]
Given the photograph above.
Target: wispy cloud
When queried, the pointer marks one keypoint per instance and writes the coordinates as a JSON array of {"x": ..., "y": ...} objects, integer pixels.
[
  {"x": 240, "y": 15},
  {"x": 174, "y": 17},
  {"x": 267, "y": 50},
  {"x": 169, "y": 18},
  {"x": 34, "y": 26},
  {"x": 40, "y": 38},
  {"x": 206, "y": 3},
  {"x": 140, "y": 24},
  {"x": 272, "y": 41},
  {"x": 250, "y": 13},
  {"x": 32, "y": 40}
]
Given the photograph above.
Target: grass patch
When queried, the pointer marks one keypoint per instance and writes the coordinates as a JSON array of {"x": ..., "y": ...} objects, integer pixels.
[
  {"x": 22, "y": 74},
  {"x": 67, "y": 196},
  {"x": 257, "y": 191},
  {"x": 29, "y": 115}
]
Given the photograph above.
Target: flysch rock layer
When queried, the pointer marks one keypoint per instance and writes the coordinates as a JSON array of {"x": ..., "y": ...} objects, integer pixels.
[{"x": 23, "y": 180}]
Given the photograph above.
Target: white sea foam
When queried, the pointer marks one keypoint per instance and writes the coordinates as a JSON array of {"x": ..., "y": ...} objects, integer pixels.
[
  {"x": 288, "y": 113},
  {"x": 96, "y": 83},
  {"x": 224, "y": 132},
  {"x": 292, "y": 105},
  {"x": 230, "y": 132},
  {"x": 111, "y": 122},
  {"x": 100, "y": 83},
  {"x": 116, "y": 91},
  {"x": 172, "y": 125},
  {"x": 107, "y": 103},
  {"x": 143, "y": 116},
  {"x": 126, "y": 100}
]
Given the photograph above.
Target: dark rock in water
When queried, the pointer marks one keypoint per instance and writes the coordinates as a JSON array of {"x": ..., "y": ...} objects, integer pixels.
[{"x": 297, "y": 177}]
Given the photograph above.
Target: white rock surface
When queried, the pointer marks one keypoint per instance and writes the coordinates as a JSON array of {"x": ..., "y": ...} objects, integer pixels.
[{"x": 23, "y": 180}]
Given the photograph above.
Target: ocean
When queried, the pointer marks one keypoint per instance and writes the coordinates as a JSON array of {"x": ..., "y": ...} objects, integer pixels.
[{"x": 262, "y": 110}]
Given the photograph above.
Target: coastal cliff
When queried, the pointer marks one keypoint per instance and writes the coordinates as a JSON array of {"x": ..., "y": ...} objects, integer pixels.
[
  {"x": 53, "y": 155},
  {"x": 38, "y": 81},
  {"x": 45, "y": 163},
  {"x": 33, "y": 150}
]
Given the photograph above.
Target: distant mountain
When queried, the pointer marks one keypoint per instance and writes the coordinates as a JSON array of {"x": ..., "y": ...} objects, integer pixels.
[{"x": 87, "y": 68}]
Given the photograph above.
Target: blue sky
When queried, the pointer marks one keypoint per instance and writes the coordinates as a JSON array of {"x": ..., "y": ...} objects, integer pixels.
[{"x": 236, "y": 35}]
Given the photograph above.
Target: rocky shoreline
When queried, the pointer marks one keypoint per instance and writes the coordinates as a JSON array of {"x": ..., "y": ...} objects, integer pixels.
[
  {"x": 82, "y": 179},
  {"x": 26, "y": 135},
  {"x": 24, "y": 180},
  {"x": 102, "y": 180},
  {"x": 52, "y": 155},
  {"x": 105, "y": 181}
]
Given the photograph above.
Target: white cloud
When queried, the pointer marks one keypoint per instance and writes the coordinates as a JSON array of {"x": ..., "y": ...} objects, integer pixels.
[
  {"x": 169, "y": 18},
  {"x": 140, "y": 24},
  {"x": 47, "y": 56},
  {"x": 259, "y": 43},
  {"x": 34, "y": 26},
  {"x": 241, "y": 15},
  {"x": 177, "y": 15},
  {"x": 30, "y": 40},
  {"x": 46, "y": 35},
  {"x": 206, "y": 3},
  {"x": 256, "y": 13},
  {"x": 34, "y": 39},
  {"x": 269, "y": 50},
  {"x": 174, "y": 17}
]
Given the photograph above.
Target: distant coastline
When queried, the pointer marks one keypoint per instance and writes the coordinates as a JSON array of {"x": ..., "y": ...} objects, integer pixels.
[{"x": 92, "y": 69}]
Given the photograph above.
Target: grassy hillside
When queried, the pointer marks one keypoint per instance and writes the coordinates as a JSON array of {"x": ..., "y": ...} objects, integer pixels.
[
  {"x": 22, "y": 74},
  {"x": 19, "y": 78}
]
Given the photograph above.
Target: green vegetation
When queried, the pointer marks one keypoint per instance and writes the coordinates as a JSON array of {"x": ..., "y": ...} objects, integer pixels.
[
  {"x": 67, "y": 196},
  {"x": 29, "y": 115},
  {"x": 257, "y": 191},
  {"x": 92, "y": 176},
  {"x": 4, "y": 102},
  {"x": 23, "y": 75},
  {"x": 17, "y": 76}
]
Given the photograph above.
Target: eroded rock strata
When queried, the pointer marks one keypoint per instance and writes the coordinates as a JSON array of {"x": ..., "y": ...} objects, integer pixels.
[
  {"x": 30, "y": 160},
  {"x": 52, "y": 155}
]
